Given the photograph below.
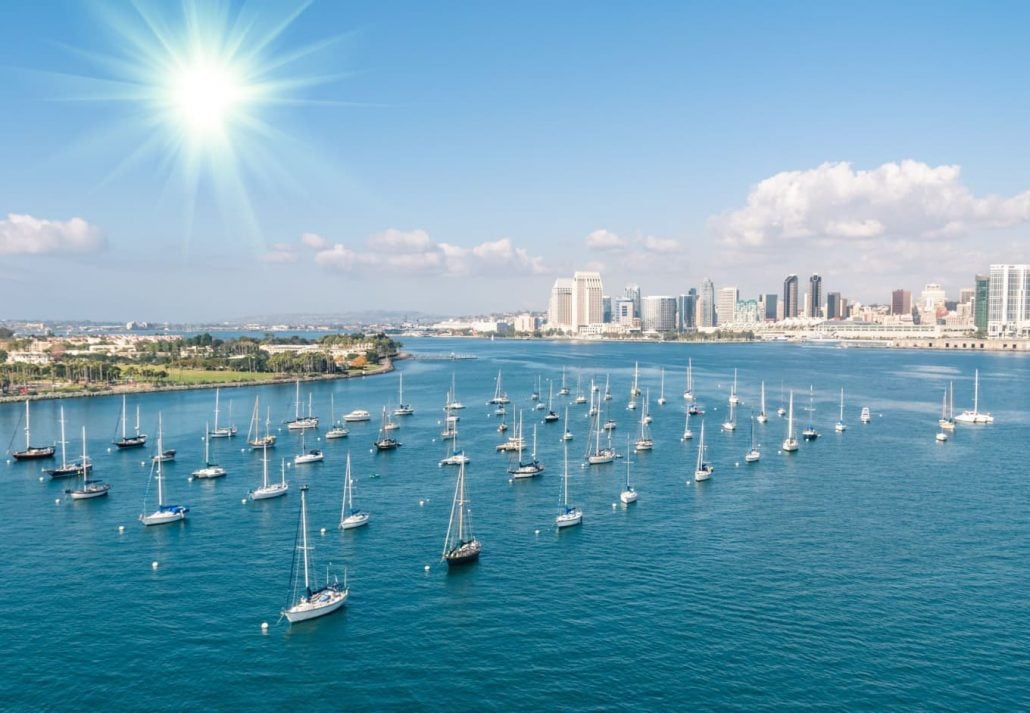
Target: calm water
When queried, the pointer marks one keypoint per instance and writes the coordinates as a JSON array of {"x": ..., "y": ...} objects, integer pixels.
[{"x": 873, "y": 569}]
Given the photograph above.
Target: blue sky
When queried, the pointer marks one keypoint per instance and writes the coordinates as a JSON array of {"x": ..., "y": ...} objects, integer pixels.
[{"x": 457, "y": 157}]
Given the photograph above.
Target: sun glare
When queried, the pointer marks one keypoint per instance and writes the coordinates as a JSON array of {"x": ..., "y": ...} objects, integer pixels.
[{"x": 204, "y": 95}]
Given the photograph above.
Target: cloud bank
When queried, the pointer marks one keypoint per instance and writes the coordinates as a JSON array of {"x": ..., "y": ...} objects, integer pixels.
[
  {"x": 834, "y": 203},
  {"x": 28, "y": 235}
]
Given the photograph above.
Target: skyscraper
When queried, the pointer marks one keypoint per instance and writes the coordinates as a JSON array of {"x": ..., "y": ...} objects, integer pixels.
[
  {"x": 767, "y": 307},
  {"x": 901, "y": 302},
  {"x": 559, "y": 309},
  {"x": 606, "y": 309},
  {"x": 687, "y": 310},
  {"x": 1008, "y": 302},
  {"x": 632, "y": 292},
  {"x": 659, "y": 314},
  {"x": 706, "y": 304},
  {"x": 833, "y": 306},
  {"x": 790, "y": 297},
  {"x": 815, "y": 296},
  {"x": 586, "y": 299},
  {"x": 981, "y": 297},
  {"x": 726, "y": 308}
]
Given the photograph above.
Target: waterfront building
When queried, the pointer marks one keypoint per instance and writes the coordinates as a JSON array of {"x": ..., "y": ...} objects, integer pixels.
[
  {"x": 606, "y": 309},
  {"x": 686, "y": 311},
  {"x": 965, "y": 295},
  {"x": 659, "y": 314},
  {"x": 767, "y": 307},
  {"x": 559, "y": 310},
  {"x": 586, "y": 299},
  {"x": 790, "y": 297},
  {"x": 815, "y": 296},
  {"x": 632, "y": 292},
  {"x": 706, "y": 305},
  {"x": 623, "y": 312},
  {"x": 727, "y": 305},
  {"x": 746, "y": 313},
  {"x": 901, "y": 302},
  {"x": 981, "y": 297},
  {"x": 526, "y": 323},
  {"x": 833, "y": 306},
  {"x": 1008, "y": 301}
]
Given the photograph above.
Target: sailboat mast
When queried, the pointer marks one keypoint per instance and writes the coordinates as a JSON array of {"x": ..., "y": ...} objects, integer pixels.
[
  {"x": 790, "y": 417},
  {"x": 461, "y": 504},
  {"x": 264, "y": 465},
  {"x": 137, "y": 419},
  {"x": 534, "y": 442},
  {"x": 160, "y": 450},
  {"x": 123, "y": 417},
  {"x": 763, "y": 398},
  {"x": 207, "y": 444},
  {"x": 400, "y": 390},
  {"x": 842, "y": 404},
  {"x": 565, "y": 478},
  {"x": 304, "y": 530},
  {"x": 976, "y": 391},
  {"x": 85, "y": 470},
  {"x": 64, "y": 458},
  {"x": 296, "y": 402},
  {"x": 216, "y": 408},
  {"x": 347, "y": 497}
]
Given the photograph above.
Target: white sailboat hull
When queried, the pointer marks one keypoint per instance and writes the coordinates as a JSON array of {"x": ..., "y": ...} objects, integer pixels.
[
  {"x": 702, "y": 474},
  {"x": 272, "y": 491},
  {"x": 338, "y": 432},
  {"x": 357, "y": 519},
  {"x": 308, "y": 458},
  {"x": 326, "y": 602},
  {"x": 974, "y": 417},
  {"x": 569, "y": 519},
  {"x": 90, "y": 492},
  {"x": 301, "y": 424},
  {"x": 209, "y": 473},
  {"x": 163, "y": 517},
  {"x": 752, "y": 456},
  {"x": 628, "y": 496},
  {"x": 790, "y": 445}
]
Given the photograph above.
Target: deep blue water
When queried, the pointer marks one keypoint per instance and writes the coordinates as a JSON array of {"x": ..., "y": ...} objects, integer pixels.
[{"x": 874, "y": 569}]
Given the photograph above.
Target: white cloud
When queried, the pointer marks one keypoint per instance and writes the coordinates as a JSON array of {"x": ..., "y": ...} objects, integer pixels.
[
  {"x": 27, "y": 235},
  {"x": 833, "y": 202},
  {"x": 279, "y": 254},
  {"x": 415, "y": 253},
  {"x": 662, "y": 246},
  {"x": 604, "y": 240},
  {"x": 314, "y": 241}
]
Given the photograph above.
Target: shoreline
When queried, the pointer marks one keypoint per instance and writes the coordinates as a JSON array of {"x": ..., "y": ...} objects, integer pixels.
[{"x": 146, "y": 388}]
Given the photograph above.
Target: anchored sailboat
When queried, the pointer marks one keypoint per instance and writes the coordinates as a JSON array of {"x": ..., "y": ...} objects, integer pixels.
[
  {"x": 269, "y": 490},
  {"x": 703, "y": 469},
  {"x": 500, "y": 397},
  {"x": 661, "y": 389},
  {"x": 568, "y": 515},
  {"x": 298, "y": 422},
  {"x": 810, "y": 434},
  {"x": 221, "y": 431},
  {"x": 457, "y": 455},
  {"x": 975, "y": 416},
  {"x": 403, "y": 409},
  {"x": 600, "y": 455},
  {"x": 385, "y": 442},
  {"x": 66, "y": 469},
  {"x": 210, "y": 470},
  {"x": 336, "y": 428},
  {"x": 254, "y": 438},
  {"x": 165, "y": 512},
  {"x": 32, "y": 452},
  {"x": 688, "y": 392},
  {"x": 734, "y": 399},
  {"x": 629, "y": 493},
  {"x": 790, "y": 443},
  {"x": 310, "y": 604},
  {"x": 313, "y": 455},
  {"x": 523, "y": 469},
  {"x": 762, "y": 418},
  {"x": 460, "y": 546},
  {"x": 941, "y": 435},
  {"x": 644, "y": 442},
  {"x": 947, "y": 420},
  {"x": 350, "y": 516},
  {"x": 753, "y": 454},
  {"x": 840, "y": 426},
  {"x": 89, "y": 488},
  {"x": 551, "y": 416},
  {"x": 137, "y": 440}
]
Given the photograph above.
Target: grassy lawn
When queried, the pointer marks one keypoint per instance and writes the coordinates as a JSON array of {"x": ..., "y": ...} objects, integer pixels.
[{"x": 204, "y": 376}]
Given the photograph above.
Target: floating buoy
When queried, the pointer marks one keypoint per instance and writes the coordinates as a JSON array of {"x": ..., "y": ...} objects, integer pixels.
[
  {"x": 143, "y": 463},
  {"x": 108, "y": 450},
  {"x": 243, "y": 501},
  {"x": 57, "y": 501},
  {"x": 421, "y": 503},
  {"x": 613, "y": 506},
  {"x": 121, "y": 528},
  {"x": 737, "y": 464},
  {"x": 426, "y": 568},
  {"x": 264, "y": 627},
  {"x": 189, "y": 479},
  {"x": 536, "y": 532},
  {"x": 41, "y": 478},
  {"x": 322, "y": 531},
  {"x": 153, "y": 565},
  {"x": 510, "y": 481}
]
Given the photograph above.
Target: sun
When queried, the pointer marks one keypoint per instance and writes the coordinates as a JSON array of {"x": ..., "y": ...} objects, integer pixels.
[{"x": 203, "y": 97}]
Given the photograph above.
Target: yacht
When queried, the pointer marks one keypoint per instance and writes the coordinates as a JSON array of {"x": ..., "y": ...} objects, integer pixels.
[
  {"x": 790, "y": 443},
  {"x": 357, "y": 415},
  {"x": 975, "y": 415}
]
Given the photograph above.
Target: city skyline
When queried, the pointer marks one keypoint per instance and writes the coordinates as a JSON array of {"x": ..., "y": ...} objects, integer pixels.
[{"x": 363, "y": 158}]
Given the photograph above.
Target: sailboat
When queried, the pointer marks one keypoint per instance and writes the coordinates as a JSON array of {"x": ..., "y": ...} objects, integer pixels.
[
  {"x": 137, "y": 440},
  {"x": 580, "y": 398},
  {"x": 568, "y": 515},
  {"x": 840, "y": 427},
  {"x": 457, "y": 455},
  {"x": 730, "y": 424},
  {"x": 644, "y": 442},
  {"x": 221, "y": 431},
  {"x": 254, "y": 438},
  {"x": 687, "y": 433},
  {"x": 32, "y": 452},
  {"x": 269, "y": 490},
  {"x": 975, "y": 416},
  {"x": 753, "y": 454},
  {"x": 567, "y": 436},
  {"x": 762, "y": 418},
  {"x": 947, "y": 420},
  {"x": 500, "y": 397},
  {"x": 336, "y": 428},
  {"x": 810, "y": 434},
  {"x": 313, "y": 455},
  {"x": 528, "y": 469},
  {"x": 551, "y": 416},
  {"x": 350, "y": 516},
  {"x": 629, "y": 493},
  {"x": 634, "y": 389},
  {"x": 385, "y": 442},
  {"x": 298, "y": 422},
  {"x": 790, "y": 443},
  {"x": 607, "y": 388},
  {"x": 503, "y": 425},
  {"x": 564, "y": 390},
  {"x": 165, "y": 512},
  {"x": 688, "y": 392},
  {"x": 734, "y": 399},
  {"x": 90, "y": 488},
  {"x": 311, "y": 604},
  {"x": 403, "y": 409},
  {"x": 66, "y": 469},
  {"x": 781, "y": 411},
  {"x": 661, "y": 389},
  {"x": 460, "y": 546},
  {"x": 703, "y": 470},
  {"x": 210, "y": 470},
  {"x": 941, "y": 435},
  {"x": 452, "y": 398},
  {"x": 535, "y": 395},
  {"x": 595, "y": 403},
  {"x": 600, "y": 455}
]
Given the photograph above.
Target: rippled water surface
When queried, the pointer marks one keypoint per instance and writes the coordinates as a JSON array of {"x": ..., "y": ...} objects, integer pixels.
[{"x": 873, "y": 569}]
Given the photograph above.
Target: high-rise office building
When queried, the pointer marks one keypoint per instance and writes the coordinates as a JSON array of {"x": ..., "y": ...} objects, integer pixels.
[
  {"x": 586, "y": 298},
  {"x": 833, "y": 306},
  {"x": 901, "y": 302},
  {"x": 746, "y": 313},
  {"x": 790, "y": 297},
  {"x": 965, "y": 295},
  {"x": 706, "y": 304},
  {"x": 686, "y": 310},
  {"x": 727, "y": 305},
  {"x": 659, "y": 313},
  {"x": 559, "y": 309},
  {"x": 767, "y": 307},
  {"x": 606, "y": 309},
  {"x": 1008, "y": 301},
  {"x": 622, "y": 312},
  {"x": 632, "y": 292},
  {"x": 815, "y": 296},
  {"x": 981, "y": 298},
  {"x": 932, "y": 297}
]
